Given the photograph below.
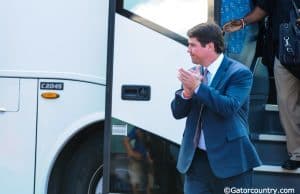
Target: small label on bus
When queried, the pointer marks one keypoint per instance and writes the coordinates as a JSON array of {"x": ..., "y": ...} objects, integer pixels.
[
  {"x": 119, "y": 130},
  {"x": 52, "y": 86}
]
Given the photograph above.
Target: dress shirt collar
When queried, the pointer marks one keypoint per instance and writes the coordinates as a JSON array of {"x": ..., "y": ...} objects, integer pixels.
[{"x": 214, "y": 66}]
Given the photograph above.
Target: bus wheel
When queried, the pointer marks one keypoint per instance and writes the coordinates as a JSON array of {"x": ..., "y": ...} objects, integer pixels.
[
  {"x": 79, "y": 167},
  {"x": 96, "y": 182}
]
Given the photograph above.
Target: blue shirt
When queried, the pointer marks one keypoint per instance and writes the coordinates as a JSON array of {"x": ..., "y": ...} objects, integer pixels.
[
  {"x": 230, "y": 10},
  {"x": 139, "y": 145}
]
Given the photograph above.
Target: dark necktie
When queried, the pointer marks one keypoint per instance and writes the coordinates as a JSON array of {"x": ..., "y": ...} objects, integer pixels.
[{"x": 199, "y": 122}]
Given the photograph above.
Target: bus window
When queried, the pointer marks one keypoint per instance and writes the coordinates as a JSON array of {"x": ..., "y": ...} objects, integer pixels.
[
  {"x": 177, "y": 16},
  {"x": 143, "y": 162}
]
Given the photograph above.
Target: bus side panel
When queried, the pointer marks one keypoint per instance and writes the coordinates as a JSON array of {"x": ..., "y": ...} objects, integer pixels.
[
  {"x": 77, "y": 102},
  {"x": 145, "y": 57},
  {"x": 17, "y": 134},
  {"x": 54, "y": 36}
]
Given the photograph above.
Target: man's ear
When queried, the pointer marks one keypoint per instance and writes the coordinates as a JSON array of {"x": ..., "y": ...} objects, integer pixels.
[{"x": 210, "y": 46}]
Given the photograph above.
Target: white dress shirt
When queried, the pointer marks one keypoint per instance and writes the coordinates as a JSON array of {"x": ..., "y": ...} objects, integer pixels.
[{"x": 212, "y": 70}]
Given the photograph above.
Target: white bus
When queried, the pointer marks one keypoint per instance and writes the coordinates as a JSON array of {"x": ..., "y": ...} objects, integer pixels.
[{"x": 60, "y": 61}]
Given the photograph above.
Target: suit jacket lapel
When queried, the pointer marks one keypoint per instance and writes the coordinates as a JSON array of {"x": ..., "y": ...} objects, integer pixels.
[{"x": 220, "y": 72}]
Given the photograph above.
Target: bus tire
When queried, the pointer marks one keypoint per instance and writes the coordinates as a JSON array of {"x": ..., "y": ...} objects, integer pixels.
[{"x": 79, "y": 167}]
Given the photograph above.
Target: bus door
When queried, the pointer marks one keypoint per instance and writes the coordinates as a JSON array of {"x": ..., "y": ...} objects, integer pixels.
[
  {"x": 150, "y": 45},
  {"x": 17, "y": 141}
]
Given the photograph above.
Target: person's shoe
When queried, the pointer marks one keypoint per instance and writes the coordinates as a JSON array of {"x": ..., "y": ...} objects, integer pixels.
[{"x": 291, "y": 164}]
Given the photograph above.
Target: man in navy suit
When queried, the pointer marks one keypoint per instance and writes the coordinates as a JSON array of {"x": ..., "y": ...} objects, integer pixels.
[{"x": 216, "y": 151}]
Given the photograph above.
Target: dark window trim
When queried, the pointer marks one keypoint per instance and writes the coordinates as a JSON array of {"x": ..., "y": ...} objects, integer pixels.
[
  {"x": 217, "y": 11},
  {"x": 108, "y": 96},
  {"x": 149, "y": 24}
]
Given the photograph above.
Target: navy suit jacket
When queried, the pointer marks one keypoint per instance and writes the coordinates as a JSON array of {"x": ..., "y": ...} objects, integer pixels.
[{"x": 225, "y": 121}]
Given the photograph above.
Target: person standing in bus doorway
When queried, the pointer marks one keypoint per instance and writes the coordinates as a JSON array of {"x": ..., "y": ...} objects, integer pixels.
[
  {"x": 140, "y": 162},
  {"x": 216, "y": 152},
  {"x": 287, "y": 83}
]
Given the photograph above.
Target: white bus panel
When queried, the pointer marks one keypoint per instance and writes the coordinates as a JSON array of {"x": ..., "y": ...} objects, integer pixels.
[
  {"x": 54, "y": 38},
  {"x": 17, "y": 139}
]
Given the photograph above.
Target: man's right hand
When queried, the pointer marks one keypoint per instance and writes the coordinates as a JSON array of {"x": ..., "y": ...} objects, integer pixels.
[{"x": 189, "y": 79}]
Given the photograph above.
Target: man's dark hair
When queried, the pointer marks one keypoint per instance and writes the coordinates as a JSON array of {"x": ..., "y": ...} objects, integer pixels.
[{"x": 206, "y": 33}]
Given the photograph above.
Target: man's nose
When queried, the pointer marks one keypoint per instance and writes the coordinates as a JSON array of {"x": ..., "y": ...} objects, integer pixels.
[{"x": 189, "y": 50}]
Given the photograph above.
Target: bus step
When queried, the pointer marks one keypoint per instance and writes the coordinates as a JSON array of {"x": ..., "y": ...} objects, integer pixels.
[
  {"x": 274, "y": 177},
  {"x": 271, "y": 148},
  {"x": 267, "y": 121}
]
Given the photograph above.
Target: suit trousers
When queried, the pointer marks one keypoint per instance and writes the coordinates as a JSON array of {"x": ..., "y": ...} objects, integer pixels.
[
  {"x": 200, "y": 179},
  {"x": 288, "y": 100}
]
